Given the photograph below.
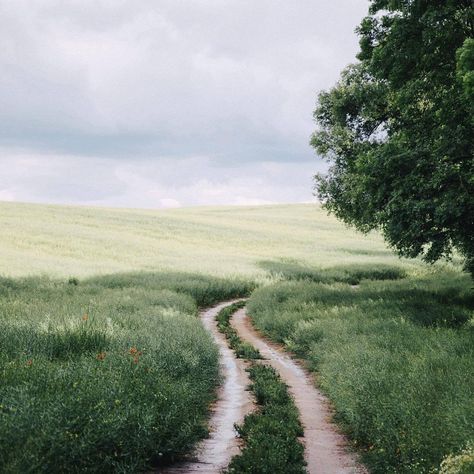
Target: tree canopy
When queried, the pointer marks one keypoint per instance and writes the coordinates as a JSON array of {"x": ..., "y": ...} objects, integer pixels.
[{"x": 398, "y": 129}]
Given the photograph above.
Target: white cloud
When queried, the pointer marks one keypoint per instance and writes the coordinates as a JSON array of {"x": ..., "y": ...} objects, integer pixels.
[
  {"x": 7, "y": 195},
  {"x": 227, "y": 81},
  {"x": 150, "y": 183},
  {"x": 169, "y": 202}
]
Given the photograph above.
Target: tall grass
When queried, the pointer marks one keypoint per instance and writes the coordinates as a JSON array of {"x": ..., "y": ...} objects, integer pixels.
[
  {"x": 352, "y": 274},
  {"x": 107, "y": 374},
  {"x": 396, "y": 359}
]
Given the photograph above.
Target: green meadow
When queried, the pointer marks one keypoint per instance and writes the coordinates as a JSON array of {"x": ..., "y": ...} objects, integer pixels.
[
  {"x": 64, "y": 241},
  {"x": 105, "y": 367},
  {"x": 394, "y": 355},
  {"x": 109, "y": 374}
]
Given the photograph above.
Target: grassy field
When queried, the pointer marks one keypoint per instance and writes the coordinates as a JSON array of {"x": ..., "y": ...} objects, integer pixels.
[
  {"x": 72, "y": 241},
  {"x": 110, "y": 374},
  {"x": 105, "y": 367},
  {"x": 395, "y": 357}
]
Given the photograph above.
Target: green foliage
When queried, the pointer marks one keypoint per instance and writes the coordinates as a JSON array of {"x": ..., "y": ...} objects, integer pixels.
[
  {"x": 109, "y": 374},
  {"x": 397, "y": 129},
  {"x": 351, "y": 274},
  {"x": 270, "y": 434},
  {"x": 243, "y": 350},
  {"x": 394, "y": 357},
  {"x": 465, "y": 71}
]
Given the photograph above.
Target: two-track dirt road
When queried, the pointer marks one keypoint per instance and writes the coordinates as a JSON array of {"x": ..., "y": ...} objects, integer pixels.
[
  {"x": 325, "y": 448},
  {"x": 233, "y": 402}
]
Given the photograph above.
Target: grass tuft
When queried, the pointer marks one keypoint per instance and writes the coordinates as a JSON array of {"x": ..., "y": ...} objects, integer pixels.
[
  {"x": 270, "y": 434},
  {"x": 242, "y": 349}
]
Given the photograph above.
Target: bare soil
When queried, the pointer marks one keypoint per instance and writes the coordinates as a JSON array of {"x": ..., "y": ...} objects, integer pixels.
[
  {"x": 326, "y": 449},
  {"x": 233, "y": 402}
]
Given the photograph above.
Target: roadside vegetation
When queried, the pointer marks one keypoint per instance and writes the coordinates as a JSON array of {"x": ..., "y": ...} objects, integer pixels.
[
  {"x": 110, "y": 374},
  {"x": 242, "y": 349},
  {"x": 395, "y": 357},
  {"x": 270, "y": 435},
  {"x": 115, "y": 372}
]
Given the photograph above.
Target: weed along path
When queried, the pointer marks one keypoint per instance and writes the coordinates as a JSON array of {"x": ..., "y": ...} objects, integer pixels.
[
  {"x": 233, "y": 402},
  {"x": 325, "y": 448}
]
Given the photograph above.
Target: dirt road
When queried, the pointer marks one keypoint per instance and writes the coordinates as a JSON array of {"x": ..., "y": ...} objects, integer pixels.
[
  {"x": 325, "y": 448},
  {"x": 233, "y": 403}
]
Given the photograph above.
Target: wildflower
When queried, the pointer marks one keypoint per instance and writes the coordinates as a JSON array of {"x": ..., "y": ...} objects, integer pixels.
[
  {"x": 101, "y": 355},
  {"x": 85, "y": 317},
  {"x": 29, "y": 362},
  {"x": 135, "y": 353}
]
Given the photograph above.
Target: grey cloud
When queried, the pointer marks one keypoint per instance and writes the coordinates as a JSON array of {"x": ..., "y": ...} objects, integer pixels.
[
  {"x": 149, "y": 78},
  {"x": 149, "y": 182},
  {"x": 165, "y": 103}
]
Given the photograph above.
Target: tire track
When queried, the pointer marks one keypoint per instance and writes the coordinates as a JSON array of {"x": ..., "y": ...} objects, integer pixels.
[
  {"x": 233, "y": 402},
  {"x": 326, "y": 450}
]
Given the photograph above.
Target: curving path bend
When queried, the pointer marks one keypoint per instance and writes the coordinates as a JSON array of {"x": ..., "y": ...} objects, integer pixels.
[
  {"x": 325, "y": 448},
  {"x": 233, "y": 402}
]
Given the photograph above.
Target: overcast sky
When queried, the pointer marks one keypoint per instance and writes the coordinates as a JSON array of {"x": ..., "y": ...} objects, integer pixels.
[{"x": 162, "y": 103}]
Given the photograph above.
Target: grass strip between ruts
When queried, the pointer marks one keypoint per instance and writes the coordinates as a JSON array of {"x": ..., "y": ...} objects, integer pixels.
[
  {"x": 270, "y": 434},
  {"x": 243, "y": 350}
]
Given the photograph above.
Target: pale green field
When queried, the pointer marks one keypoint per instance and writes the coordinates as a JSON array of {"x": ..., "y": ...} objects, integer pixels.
[
  {"x": 79, "y": 241},
  {"x": 72, "y": 387}
]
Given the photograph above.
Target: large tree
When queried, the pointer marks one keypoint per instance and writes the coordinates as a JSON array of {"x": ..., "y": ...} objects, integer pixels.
[{"x": 398, "y": 129}]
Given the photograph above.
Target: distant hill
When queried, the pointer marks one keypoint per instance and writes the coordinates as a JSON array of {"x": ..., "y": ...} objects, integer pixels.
[{"x": 81, "y": 241}]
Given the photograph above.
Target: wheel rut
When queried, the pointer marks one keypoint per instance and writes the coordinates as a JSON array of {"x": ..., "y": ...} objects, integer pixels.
[
  {"x": 326, "y": 450},
  {"x": 233, "y": 402}
]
